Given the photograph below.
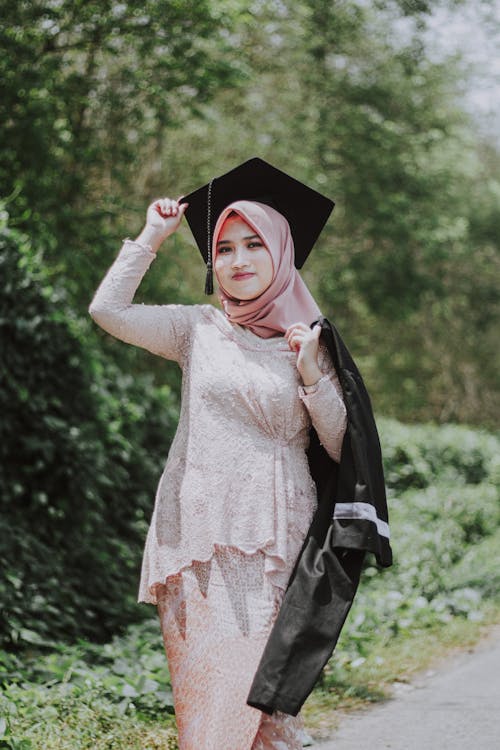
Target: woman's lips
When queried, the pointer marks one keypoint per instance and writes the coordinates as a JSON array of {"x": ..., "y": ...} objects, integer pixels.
[{"x": 242, "y": 276}]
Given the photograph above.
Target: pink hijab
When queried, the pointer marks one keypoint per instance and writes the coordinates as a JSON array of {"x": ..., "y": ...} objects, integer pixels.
[{"x": 287, "y": 300}]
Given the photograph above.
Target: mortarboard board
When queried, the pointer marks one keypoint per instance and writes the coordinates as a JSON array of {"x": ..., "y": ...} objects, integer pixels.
[{"x": 305, "y": 209}]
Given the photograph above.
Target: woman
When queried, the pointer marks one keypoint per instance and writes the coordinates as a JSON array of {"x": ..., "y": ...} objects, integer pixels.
[{"x": 236, "y": 497}]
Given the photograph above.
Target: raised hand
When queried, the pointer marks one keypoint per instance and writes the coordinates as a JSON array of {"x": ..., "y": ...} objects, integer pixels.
[
  {"x": 165, "y": 215},
  {"x": 162, "y": 219},
  {"x": 305, "y": 341}
]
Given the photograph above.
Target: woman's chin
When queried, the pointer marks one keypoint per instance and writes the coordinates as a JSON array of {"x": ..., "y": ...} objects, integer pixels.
[
  {"x": 246, "y": 297},
  {"x": 244, "y": 291}
]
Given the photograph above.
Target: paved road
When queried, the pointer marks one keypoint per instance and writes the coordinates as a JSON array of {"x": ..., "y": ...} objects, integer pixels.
[{"x": 457, "y": 707}]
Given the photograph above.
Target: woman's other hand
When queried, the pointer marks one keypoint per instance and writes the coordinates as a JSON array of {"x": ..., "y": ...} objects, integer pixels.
[
  {"x": 162, "y": 219},
  {"x": 305, "y": 341}
]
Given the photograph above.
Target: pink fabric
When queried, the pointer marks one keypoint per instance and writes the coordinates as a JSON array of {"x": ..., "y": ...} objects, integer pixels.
[
  {"x": 287, "y": 300},
  {"x": 215, "y": 618}
]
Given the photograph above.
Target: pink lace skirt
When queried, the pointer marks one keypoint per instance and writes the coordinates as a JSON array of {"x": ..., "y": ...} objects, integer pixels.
[{"x": 215, "y": 619}]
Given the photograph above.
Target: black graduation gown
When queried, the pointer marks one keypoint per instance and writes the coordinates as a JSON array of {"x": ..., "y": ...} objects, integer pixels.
[{"x": 351, "y": 519}]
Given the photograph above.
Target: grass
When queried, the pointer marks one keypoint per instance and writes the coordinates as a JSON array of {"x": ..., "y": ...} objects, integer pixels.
[{"x": 65, "y": 719}]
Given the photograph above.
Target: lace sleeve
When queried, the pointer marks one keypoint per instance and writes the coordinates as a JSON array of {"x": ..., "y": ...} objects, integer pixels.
[
  {"x": 161, "y": 329},
  {"x": 325, "y": 405}
]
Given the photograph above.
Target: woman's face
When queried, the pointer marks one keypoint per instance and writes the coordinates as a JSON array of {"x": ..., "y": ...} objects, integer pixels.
[{"x": 243, "y": 264}]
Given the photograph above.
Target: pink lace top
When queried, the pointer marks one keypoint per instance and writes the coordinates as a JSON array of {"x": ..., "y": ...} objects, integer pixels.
[{"x": 237, "y": 473}]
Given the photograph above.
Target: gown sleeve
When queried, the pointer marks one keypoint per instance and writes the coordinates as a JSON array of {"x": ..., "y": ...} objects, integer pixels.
[
  {"x": 325, "y": 405},
  {"x": 161, "y": 329}
]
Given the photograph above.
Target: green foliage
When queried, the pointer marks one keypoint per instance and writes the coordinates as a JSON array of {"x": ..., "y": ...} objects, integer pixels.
[
  {"x": 420, "y": 455},
  {"x": 68, "y": 716},
  {"x": 129, "y": 669},
  {"x": 81, "y": 448},
  {"x": 106, "y": 106},
  {"x": 87, "y": 87},
  {"x": 444, "y": 501},
  {"x": 85, "y": 696},
  {"x": 478, "y": 569}
]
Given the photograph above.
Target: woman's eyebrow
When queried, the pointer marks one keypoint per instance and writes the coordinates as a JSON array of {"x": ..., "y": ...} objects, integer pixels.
[{"x": 250, "y": 237}]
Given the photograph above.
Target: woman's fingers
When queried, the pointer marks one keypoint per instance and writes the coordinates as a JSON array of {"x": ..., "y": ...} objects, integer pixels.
[
  {"x": 296, "y": 326},
  {"x": 165, "y": 214},
  {"x": 299, "y": 333},
  {"x": 297, "y": 329},
  {"x": 169, "y": 207},
  {"x": 295, "y": 338}
]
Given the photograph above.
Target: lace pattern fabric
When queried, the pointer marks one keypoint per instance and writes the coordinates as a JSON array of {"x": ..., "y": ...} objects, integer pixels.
[
  {"x": 215, "y": 619},
  {"x": 237, "y": 471}
]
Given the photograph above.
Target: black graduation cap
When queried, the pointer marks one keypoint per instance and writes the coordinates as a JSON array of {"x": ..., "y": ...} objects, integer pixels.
[{"x": 306, "y": 210}]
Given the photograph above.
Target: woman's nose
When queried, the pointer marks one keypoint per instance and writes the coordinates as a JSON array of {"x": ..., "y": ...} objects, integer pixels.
[{"x": 240, "y": 257}]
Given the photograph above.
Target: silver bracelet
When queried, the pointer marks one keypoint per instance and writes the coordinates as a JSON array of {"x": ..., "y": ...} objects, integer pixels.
[
  {"x": 134, "y": 242},
  {"x": 314, "y": 386}
]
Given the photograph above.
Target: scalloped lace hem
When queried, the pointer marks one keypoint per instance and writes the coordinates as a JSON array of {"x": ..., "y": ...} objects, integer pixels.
[{"x": 275, "y": 567}]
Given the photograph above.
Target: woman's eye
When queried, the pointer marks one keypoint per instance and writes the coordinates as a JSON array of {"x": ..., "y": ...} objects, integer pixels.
[{"x": 227, "y": 248}]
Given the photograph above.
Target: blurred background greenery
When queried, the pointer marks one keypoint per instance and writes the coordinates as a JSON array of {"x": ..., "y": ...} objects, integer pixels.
[{"x": 107, "y": 105}]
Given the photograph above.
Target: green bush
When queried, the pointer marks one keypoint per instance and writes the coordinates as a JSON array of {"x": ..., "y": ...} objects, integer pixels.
[
  {"x": 68, "y": 716},
  {"x": 445, "y": 542},
  {"x": 478, "y": 568},
  {"x": 418, "y": 455},
  {"x": 81, "y": 448},
  {"x": 90, "y": 696}
]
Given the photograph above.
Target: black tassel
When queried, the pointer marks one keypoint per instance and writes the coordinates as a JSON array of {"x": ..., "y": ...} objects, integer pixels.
[{"x": 209, "y": 280}]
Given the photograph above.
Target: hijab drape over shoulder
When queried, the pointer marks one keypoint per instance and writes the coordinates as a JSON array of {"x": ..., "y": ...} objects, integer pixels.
[{"x": 287, "y": 300}]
